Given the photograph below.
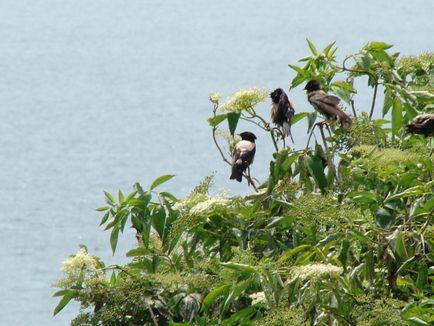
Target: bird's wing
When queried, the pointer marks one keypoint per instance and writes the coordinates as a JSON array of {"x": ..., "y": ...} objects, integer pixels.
[
  {"x": 290, "y": 111},
  {"x": 244, "y": 153},
  {"x": 324, "y": 103}
]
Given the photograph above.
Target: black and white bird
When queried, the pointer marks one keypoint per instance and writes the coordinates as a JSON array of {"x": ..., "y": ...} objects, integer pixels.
[
  {"x": 327, "y": 105},
  {"x": 423, "y": 124},
  {"x": 243, "y": 155},
  {"x": 282, "y": 111}
]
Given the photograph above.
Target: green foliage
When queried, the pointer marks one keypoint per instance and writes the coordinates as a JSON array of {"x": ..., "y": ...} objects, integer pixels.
[{"x": 341, "y": 232}]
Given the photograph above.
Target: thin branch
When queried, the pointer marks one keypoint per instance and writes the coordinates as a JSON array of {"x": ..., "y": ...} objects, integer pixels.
[
  {"x": 154, "y": 320},
  {"x": 214, "y": 129},
  {"x": 121, "y": 269},
  {"x": 373, "y": 99},
  {"x": 310, "y": 136},
  {"x": 353, "y": 108},
  {"x": 329, "y": 159},
  {"x": 427, "y": 222}
]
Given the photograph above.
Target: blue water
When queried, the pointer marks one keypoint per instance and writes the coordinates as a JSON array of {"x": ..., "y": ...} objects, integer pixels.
[{"x": 96, "y": 95}]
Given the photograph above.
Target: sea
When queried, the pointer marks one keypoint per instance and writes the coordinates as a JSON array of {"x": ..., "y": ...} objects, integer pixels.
[{"x": 97, "y": 95}]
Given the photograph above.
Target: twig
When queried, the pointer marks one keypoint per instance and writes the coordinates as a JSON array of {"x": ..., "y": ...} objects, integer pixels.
[
  {"x": 353, "y": 108},
  {"x": 214, "y": 129},
  {"x": 121, "y": 269},
  {"x": 330, "y": 161},
  {"x": 428, "y": 220},
  {"x": 373, "y": 99},
  {"x": 154, "y": 320},
  {"x": 249, "y": 179},
  {"x": 310, "y": 136}
]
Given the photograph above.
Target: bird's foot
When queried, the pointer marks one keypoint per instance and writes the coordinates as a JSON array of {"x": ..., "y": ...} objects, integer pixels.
[{"x": 322, "y": 124}]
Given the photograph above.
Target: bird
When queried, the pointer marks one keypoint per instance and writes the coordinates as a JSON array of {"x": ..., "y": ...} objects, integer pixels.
[
  {"x": 326, "y": 104},
  {"x": 422, "y": 124},
  {"x": 282, "y": 111},
  {"x": 243, "y": 155}
]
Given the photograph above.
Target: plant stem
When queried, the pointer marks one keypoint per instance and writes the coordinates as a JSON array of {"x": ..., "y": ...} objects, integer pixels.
[
  {"x": 214, "y": 129},
  {"x": 373, "y": 99},
  {"x": 329, "y": 159},
  {"x": 154, "y": 320}
]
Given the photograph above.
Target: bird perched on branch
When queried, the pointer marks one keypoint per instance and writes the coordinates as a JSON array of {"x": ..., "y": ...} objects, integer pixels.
[
  {"x": 243, "y": 155},
  {"x": 326, "y": 104},
  {"x": 282, "y": 111},
  {"x": 422, "y": 124}
]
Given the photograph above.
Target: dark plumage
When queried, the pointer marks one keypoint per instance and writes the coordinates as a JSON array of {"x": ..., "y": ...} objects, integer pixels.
[
  {"x": 243, "y": 155},
  {"x": 281, "y": 111},
  {"x": 326, "y": 104},
  {"x": 422, "y": 124}
]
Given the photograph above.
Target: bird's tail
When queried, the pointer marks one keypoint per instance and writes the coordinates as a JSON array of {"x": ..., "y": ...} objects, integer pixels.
[
  {"x": 237, "y": 173},
  {"x": 287, "y": 130},
  {"x": 344, "y": 119}
]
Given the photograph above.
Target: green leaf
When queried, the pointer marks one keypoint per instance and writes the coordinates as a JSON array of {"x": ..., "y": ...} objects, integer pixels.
[
  {"x": 415, "y": 321},
  {"x": 213, "y": 295},
  {"x": 299, "y": 70},
  {"x": 280, "y": 220},
  {"x": 343, "y": 254},
  {"x": 311, "y": 117},
  {"x": 379, "y": 46},
  {"x": 388, "y": 101},
  {"x": 161, "y": 180},
  {"x": 384, "y": 218},
  {"x": 316, "y": 170},
  {"x": 158, "y": 220},
  {"x": 102, "y": 209},
  {"x": 215, "y": 121},
  {"x": 312, "y": 47},
  {"x": 140, "y": 251},
  {"x": 240, "y": 267},
  {"x": 233, "y": 121},
  {"x": 292, "y": 252},
  {"x": 298, "y": 80},
  {"x": 69, "y": 295},
  {"x": 288, "y": 162},
  {"x": 237, "y": 290},
  {"x": 422, "y": 276},
  {"x": 344, "y": 85},
  {"x": 130, "y": 196},
  {"x": 241, "y": 316},
  {"x": 396, "y": 115},
  {"x": 114, "y": 238},
  {"x": 121, "y": 197},
  {"x": 61, "y": 293},
  {"x": 113, "y": 278},
  {"x": 363, "y": 197},
  {"x": 110, "y": 199},
  {"x": 327, "y": 49},
  {"x": 397, "y": 244},
  {"x": 297, "y": 117},
  {"x": 104, "y": 218}
]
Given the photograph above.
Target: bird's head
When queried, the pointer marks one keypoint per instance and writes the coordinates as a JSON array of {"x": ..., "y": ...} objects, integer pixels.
[
  {"x": 247, "y": 135},
  {"x": 275, "y": 95},
  {"x": 312, "y": 85}
]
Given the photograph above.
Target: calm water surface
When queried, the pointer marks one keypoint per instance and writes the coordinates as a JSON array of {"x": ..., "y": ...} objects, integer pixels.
[{"x": 96, "y": 95}]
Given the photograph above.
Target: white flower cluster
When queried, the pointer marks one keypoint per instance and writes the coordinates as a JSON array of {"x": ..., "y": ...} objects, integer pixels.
[
  {"x": 190, "y": 201},
  {"x": 244, "y": 99},
  {"x": 214, "y": 97},
  {"x": 210, "y": 203},
  {"x": 257, "y": 297},
  {"x": 316, "y": 271},
  {"x": 80, "y": 262}
]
